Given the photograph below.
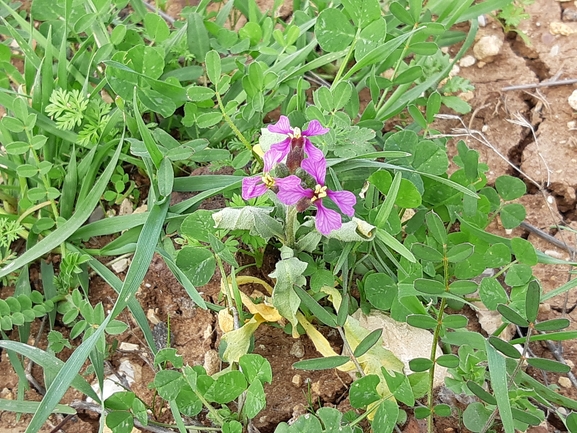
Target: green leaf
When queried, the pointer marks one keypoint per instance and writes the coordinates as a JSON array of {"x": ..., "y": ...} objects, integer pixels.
[
  {"x": 498, "y": 374},
  {"x": 157, "y": 102},
  {"x": 380, "y": 290},
  {"x": 552, "y": 325},
  {"x": 213, "y": 66},
  {"x": 151, "y": 145},
  {"x": 326, "y": 363},
  {"x": 400, "y": 385},
  {"x": 436, "y": 227},
  {"x": 449, "y": 361},
  {"x": 460, "y": 252},
  {"x": 319, "y": 312},
  {"x": 200, "y": 93},
  {"x": 120, "y": 421},
  {"x": 532, "y": 301},
  {"x": 369, "y": 341},
  {"x": 168, "y": 383},
  {"x": 421, "y": 321},
  {"x": 333, "y": 30},
  {"x": 504, "y": 347},
  {"x": 497, "y": 255},
  {"x": 19, "y": 406},
  {"x": 512, "y": 316},
  {"x": 512, "y": 215},
  {"x": 255, "y": 399},
  {"x": 362, "y": 12},
  {"x": 442, "y": 410},
  {"x": 156, "y": 27},
  {"x": 165, "y": 177},
  {"x": 400, "y": 13},
  {"x": 481, "y": 393},
  {"x": 571, "y": 422},
  {"x": 197, "y": 39},
  {"x": 430, "y": 158},
  {"x": 455, "y": 321},
  {"x": 453, "y": 102},
  {"x": 255, "y": 367},
  {"x": 198, "y": 225},
  {"x": 430, "y": 287},
  {"x": 510, "y": 188},
  {"x": 492, "y": 293},
  {"x": 363, "y": 391},
  {"x": 425, "y": 252},
  {"x": 197, "y": 263},
  {"x": 476, "y": 416},
  {"x": 206, "y": 120},
  {"x": 518, "y": 275},
  {"x": 524, "y": 251},
  {"x": 386, "y": 416},
  {"x": 288, "y": 273},
  {"x": 227, "y": 387},
  {"x": 549, "y": 365}
]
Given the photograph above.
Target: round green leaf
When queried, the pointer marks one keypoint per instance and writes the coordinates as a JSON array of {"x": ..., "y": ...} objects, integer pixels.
[
  {"x": 510, "y": 188},
  {"x": 524, "y": 251},
  {"x": 425, "y": 252},
  {"x": 492, "y": 293},
  {"x": 463, "y": 287},
  {"x": 200, "y": 93},
  {"x": 120, "y": 421},
  {"x": 430, "y": 287},
  {"x": 422, "y": 412},
  {"x": 497, "y": 255},
  {"x": 380, "y": 290},
  {"x": 333, "y": 30},
  {"x": 363, "y": 391},
  {"x": 475, "y": 416},
  {"x": 420, "y": 364},
  {"x": 442, "y": 410},
  {"x": 198, "y": 225},
  {"x": 518, "y": 275},
  {"x": 198, "y": 264},
  {"x": 512, "y": 215}
]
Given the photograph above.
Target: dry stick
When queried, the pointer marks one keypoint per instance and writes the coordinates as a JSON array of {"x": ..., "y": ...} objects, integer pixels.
[
  {"x": 548, "y": 237},
  {"x": 543, "y": 84},
  {"x": 164, "y": 15}
]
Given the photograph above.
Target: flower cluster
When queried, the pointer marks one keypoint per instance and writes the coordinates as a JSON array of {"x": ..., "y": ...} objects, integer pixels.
[{"x": 300, "y": 170}]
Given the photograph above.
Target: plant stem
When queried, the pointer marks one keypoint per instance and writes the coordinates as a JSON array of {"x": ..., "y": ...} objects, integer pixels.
[
  {"x": 350, "y": 350},
  {"x": 345, "y": 61},
  {"x": 436, "y": 334},
  {"x": 291, "y": 217},
  {"x": 231, "y": 123}
]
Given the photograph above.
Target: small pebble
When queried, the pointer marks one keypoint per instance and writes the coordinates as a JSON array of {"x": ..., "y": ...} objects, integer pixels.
[
  {"x": 467, "y": 61},
  {"x": 298, "y": 349},
  {"x": 564, "y": 382},
  {"x": 572, "y": 100},
  {"x": 570, "y": 363},
  {"x": 487, "y": 47},
  {"x": 297, "y": 380},
  {"x": 560, "y": 28}
]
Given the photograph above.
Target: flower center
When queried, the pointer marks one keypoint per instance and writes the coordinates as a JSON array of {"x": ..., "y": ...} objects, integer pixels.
[
  {"x": 319, "y": 193},
  {"x": 268, "y": 180},
  {"x": 296, "y": 133}
]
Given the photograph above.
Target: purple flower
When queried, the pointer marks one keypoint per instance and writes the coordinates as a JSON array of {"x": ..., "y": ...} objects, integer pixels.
[
  {"x": 291, "y": 192},
  {"x": 257, "y": 185},
  {"x": 294, "y": 145}
]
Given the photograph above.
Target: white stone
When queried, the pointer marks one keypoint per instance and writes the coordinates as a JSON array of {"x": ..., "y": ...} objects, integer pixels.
[
  {"x": 129, "y": 347},
  {"x": 572, "y": 100},
  {"x": 120, "y": 265},
  {"x": 487, "y": 47},
  {"x": 564, "y": 382},
  {"x": 467, "y": 61}
]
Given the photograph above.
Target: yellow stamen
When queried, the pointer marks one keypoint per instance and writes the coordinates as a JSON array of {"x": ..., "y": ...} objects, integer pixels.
[
  {"x": 320, "y": 192},
  {"x": 268, "y": 180}
]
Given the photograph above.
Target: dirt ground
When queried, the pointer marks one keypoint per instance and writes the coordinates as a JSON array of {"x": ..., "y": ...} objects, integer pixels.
[{"x": 531, "y": 129}]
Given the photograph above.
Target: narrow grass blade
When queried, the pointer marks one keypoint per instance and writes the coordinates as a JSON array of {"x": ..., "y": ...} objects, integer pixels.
[
  {"x": 48, "y": 362},
  {"x": 31, "y": 407},
  {"x": 58, "y": 236},
  {"x": 395, "y": 245},
  {"x": 498, "y": 373}
]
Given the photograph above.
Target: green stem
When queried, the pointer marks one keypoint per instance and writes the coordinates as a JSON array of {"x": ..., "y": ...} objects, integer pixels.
[
  {"x": 436, "y": 335},
  {"x": 345, "y": 61},
  {"x": 230, "y": 123},
  {"x": 291, "y": 217}
]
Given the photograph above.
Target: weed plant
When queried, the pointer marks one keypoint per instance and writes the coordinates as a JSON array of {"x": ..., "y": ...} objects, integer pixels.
[{"x": 97, "y": 91}]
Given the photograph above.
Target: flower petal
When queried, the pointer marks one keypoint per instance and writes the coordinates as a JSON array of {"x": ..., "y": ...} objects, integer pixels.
[
  {"x": 283, "y": 126},
  {"x": 252, "y": 187},
  {"x": 291, "y": 191},
  {"x": 312, "y": 151},
  {"x": 316, "y": 168},
  {"x": 315, "y": 128},
  {"x": 326, "y": 220},
  {"x": 345, "y": 200},
  {"x": 276, "y": 154}
]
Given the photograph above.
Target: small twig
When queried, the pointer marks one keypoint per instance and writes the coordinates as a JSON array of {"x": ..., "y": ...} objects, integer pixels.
[
  {"x": 548, "y": 237},
  {"x": 557, "y": 351},
  {"x": 59, "y": 426},
  {"x": 538, "y": 85},
  {"x": 162, "y": 14}
]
